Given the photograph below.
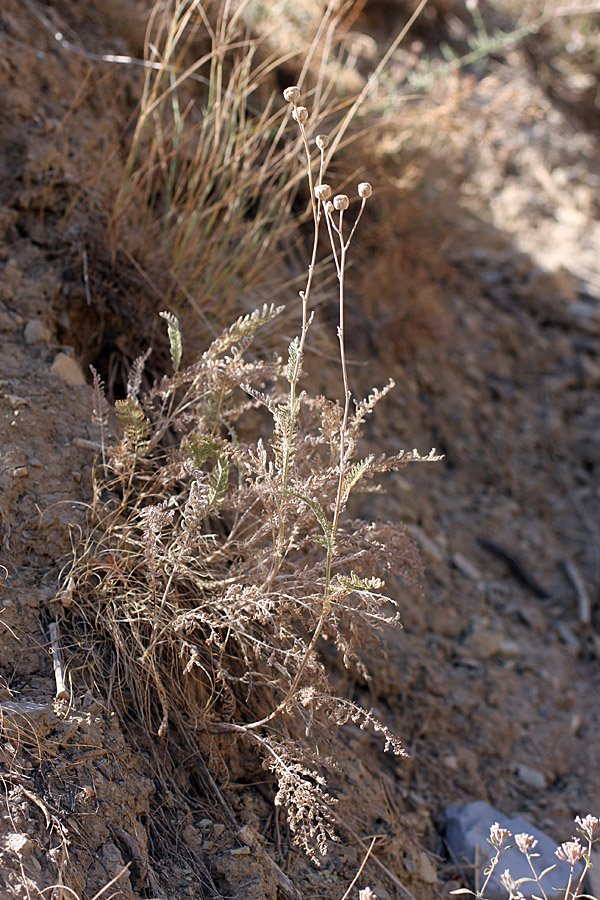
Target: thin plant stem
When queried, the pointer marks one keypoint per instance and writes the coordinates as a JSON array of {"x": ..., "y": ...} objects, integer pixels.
[
  {"x": 306, "y": 320},
  {"x": 362, "y": 866},
  {"x": 493, "y": 864},
  {"x": 537, "y": 880},
  {"x": 587, "y": 857},
  {"x": 292, "y": 689}
]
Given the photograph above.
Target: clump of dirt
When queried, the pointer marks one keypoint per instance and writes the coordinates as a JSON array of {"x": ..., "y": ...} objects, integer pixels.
[
  {"x": 484, "y": 306},
  {"x": 70, "y": 766}
]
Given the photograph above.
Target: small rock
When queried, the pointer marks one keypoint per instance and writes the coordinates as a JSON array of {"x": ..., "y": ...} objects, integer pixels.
[
  {"x": 576, "y": 725},
  {"x": 568, "y": 636},
  {"x": 509, "y": 649},
  {"x": 19, "y": 843},
  {"x": 426, "y": 544},
  {"x": 531, "y": 777},
  {"x": 467, "y": 833},
  {"x": 68, "y": 369},
  {"x": 28, "y": 710},
  {"x": 466, "y": 567},
  {"x": 427, "y": 872},
  {"x": 36, "y": 332},
  {"x": 585, "y": 311},
  {"x": 16, "y": 402},
  {"x": 482, "y": 644}
]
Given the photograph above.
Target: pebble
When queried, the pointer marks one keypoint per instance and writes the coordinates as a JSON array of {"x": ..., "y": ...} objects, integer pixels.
[
  {"x": 19, "y": 843},
  {"x": 467, "y": 833},
  {"x": 531, "y": 777},
  {"x": 427, "y": 872},
  {"x": 509, "y": 648},
  {"x": 482, "y": 644},
  {"x": 466, "y": 567},
  {"x": 586, "y": 311},
  {"x": 35, "y": 332},
  {"x": 68, "y": 369}
]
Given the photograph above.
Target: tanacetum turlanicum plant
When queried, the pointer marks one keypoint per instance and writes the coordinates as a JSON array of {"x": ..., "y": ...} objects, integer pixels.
[{"x": 235, "y": 557}]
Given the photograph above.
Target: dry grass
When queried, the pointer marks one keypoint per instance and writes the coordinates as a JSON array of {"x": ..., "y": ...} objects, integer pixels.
[{"x": 211, "y": 176}]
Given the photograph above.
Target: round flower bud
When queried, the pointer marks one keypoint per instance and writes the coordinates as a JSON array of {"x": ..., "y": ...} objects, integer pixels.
[
  {"x": 329, "y": 208},
  {"x": 364, "y": 190},
  {"x": 300, "y": 114},
  {"x": 291, "y": 94},
  {"x": 322, "y": 192},
  {"x": 322, "y": 141},
  {"x": 341, "y": 202}
]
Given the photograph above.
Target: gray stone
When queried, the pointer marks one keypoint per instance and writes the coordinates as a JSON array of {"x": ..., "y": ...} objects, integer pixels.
[
  {"x": 36, "y": 332},
  {"x": 531, "y": 777},
  {"x": 467, "y": 833}
]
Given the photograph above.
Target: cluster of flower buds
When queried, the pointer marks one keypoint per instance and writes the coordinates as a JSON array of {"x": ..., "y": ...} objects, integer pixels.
[
  {"x": 525, "y": 842},
  {"x": 340, "y": 202},
  {"x": 499, "y": 836},
  {"x": 323, "y": 192},
  {"x": 590, "y": 825},
  {"x": 511, "y": 886},
  {"x": 570, "y": 851},
  {"x": 299, "y": 113}
]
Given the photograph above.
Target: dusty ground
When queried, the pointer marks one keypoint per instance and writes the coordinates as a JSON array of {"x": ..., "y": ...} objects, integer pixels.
[{"x": 481, "y": 298}]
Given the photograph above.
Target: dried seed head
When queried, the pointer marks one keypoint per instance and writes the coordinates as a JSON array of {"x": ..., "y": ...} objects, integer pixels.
[
  {"x": 365, "y": 190},
  {"x": 329, "y": 208},
  {"x": 570, "y": 851},
  {"x": 322, "y": 192},
  {"x": 525, "y": 842},
  {"x": 590, "y": 825},
  {"x": 367, "y": 894},
  {"x": 511, "y": 886},
  {"x": 498, "y": 836},
  {"x": 341, "y": 202},
  {"x": 300, "y": 114},
  {"x": 291, "y": 94},
  {"x": 322, "y": 141}
]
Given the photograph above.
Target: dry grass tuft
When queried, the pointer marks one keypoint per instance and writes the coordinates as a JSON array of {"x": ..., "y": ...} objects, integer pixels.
[{"x": 211, "y": 176}]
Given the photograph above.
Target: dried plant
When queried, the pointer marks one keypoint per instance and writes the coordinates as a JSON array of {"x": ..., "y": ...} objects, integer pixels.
[{"x": 214, "y": 565}]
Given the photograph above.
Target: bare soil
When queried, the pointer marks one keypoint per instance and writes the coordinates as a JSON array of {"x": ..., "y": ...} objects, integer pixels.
[{"x": 477, "y": 289}]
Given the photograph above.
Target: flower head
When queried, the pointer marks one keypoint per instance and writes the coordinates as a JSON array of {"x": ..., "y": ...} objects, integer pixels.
[
  {"x": 525, "y": 842},
  {"x": 322, "y": 142},
  {"x": 570, "y": 851},
  {"x": 292, "y": 94},
  {"x": 365, "y": 190},
  {"x": 499, "y": 836},
  {"x": 341, "y": 202},
  {"x": 590, "y": 825},
  {"x": 511, "y": 886},
  {"x": 322, "y": 192},
  {"x": 300, "y": 114}
]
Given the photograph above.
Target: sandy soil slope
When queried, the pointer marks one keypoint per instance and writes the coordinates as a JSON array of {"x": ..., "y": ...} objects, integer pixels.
[{"x": 480, "y": 296}]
